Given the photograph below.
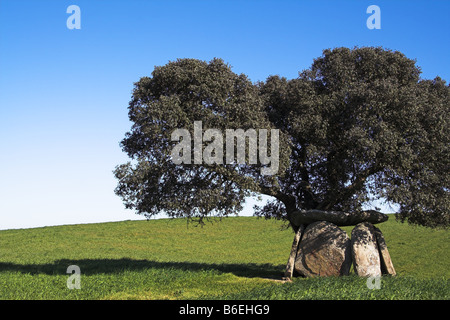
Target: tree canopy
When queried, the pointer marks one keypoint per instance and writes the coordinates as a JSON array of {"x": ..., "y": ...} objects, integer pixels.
[{"x": 359, "y": 124}]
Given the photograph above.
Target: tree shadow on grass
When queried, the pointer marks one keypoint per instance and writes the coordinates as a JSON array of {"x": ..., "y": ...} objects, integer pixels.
[{"x": 114, "y": 266}]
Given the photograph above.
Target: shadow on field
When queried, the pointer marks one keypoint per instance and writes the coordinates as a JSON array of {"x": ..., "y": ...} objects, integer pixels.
[{"x": 111, "y": 266}]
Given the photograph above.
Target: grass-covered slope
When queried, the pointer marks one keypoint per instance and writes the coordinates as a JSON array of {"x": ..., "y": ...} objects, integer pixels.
[{"x": 236, "y": 258}]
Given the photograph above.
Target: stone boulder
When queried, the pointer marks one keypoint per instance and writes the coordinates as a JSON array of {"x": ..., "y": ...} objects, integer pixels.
[
  {"x": 324, "y": 250},
  {"x": 338, "y": 218},
  {"x": 365, "y": 254},
  {"x": 387, "y": 267}
]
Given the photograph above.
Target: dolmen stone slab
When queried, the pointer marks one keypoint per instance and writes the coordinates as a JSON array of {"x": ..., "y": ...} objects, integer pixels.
[
  {"x": 387, "y": 267},
  {"x": 338, "y": 218},
  {"x": 365, "y": 254},
  {"x": 291, "y": 261},
  {"x": 324, "y": 250}
]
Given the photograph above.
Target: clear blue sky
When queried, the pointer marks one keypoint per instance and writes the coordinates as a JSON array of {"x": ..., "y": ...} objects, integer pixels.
[{"x": 64, "y": 93}]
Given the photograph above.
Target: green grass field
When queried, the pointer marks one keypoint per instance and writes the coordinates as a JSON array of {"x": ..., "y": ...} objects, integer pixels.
[{"x": 236, "y": 258}]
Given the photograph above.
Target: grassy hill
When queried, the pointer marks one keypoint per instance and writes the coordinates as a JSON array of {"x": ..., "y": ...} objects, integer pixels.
[{"x": 236, "y": 258}]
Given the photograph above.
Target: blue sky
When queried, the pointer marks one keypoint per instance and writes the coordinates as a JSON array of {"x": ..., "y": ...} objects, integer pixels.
[{"x": 64, "y": 93}]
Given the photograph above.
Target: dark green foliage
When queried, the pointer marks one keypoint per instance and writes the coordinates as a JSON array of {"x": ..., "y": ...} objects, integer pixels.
[
  {"x": 359, "y": 124},
  {"x": 176, "y": 95}
]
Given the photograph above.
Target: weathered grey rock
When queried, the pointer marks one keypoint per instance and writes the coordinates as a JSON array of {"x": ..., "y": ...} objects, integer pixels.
[
  {"x": 291, "y": 261},
  {"x": 324, "y": 250},
  {"x": 387, "y": 267},
  {"x": 338, "y": 218},
  {"x": 366, "y": 259}
]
